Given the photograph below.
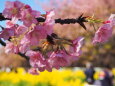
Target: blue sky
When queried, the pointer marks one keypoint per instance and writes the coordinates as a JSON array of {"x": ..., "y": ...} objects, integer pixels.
[{"x": 33, "y": 3}]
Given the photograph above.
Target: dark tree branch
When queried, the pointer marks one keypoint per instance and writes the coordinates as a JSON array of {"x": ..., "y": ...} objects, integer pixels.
[
  {"x": 2, "y": 42},
  {"x": 2, "y": 17},
  {"x": 80, "y": 20},
  {"x": 23, "y": 55}
]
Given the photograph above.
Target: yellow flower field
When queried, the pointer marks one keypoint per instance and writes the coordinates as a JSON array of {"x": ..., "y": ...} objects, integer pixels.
[{"x": 63, "y": 77}]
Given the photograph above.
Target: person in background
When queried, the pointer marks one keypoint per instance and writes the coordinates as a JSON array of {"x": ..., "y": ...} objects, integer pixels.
[
  {"x": 106, "y": 76},
  {"x": 89, "y": 72}
]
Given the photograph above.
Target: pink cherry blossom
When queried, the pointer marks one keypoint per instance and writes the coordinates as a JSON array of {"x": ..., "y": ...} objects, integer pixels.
[
  {"x": 6, "y": 33},
  {"x": 33, "y": 71},
  {"x": 11, "y": 48},
  {"x": 105, "y": 31},
  {"x": 48, "y": 67},
  {"x": 112, "y": 19},
  {"x": 36, "y": 60},
  {"x": 49, "y": 16},
  {"x": 75, "y": 49},
  {"x": 49, "y": 23},
  {"x": 34, "y": 35},
  {"x": 20, "y": 30},
  {"x": 42, "y": 31},
  {"x": 24, "y": 47},
  {"x": 10, "y": 29},
  {"x": 58, "y": 59},
  {"x": 31, "y": 37},
  {"x": 11, "y": 23},
  {"x": 103, "y": 34},
  {"x": 12, "y": 9},
  {"x": 29, "y": 17}
]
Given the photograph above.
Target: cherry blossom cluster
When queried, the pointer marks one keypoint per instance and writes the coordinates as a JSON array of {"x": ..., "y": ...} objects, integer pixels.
[
  {"x": 105, "y": 31},
  {"x": 45, "y": 49},
  {"x": 32, "y": 35}
]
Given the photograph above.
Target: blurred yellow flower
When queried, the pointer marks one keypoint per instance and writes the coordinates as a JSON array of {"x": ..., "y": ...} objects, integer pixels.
[{"x": 63, "y": 77}]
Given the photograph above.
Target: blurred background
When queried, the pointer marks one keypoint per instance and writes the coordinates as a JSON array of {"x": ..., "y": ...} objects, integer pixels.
[{"x": 99, "y": 55}]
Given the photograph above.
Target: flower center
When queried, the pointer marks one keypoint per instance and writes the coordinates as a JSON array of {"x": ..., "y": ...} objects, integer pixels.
[
  {"x": 29, "y": 17},
  {"x": 14, "y": 10}
]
